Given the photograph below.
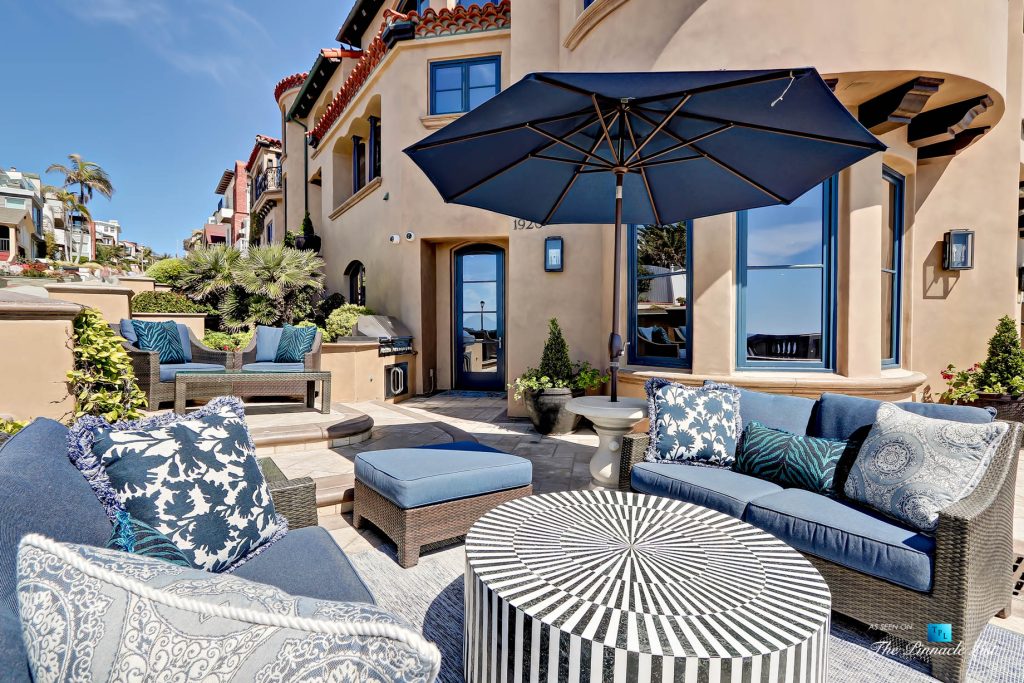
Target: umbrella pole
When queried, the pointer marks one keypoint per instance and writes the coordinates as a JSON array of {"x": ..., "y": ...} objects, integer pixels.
[{"x": 614, "y": 340}]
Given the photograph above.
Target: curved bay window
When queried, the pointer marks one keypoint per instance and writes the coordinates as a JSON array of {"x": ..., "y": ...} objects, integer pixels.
[
  {"x": 892, "y": 257},
  {"x": 659, "y": 320},
  {"x": 787, "y": 283},
  {"x": 355, "y": 273}
]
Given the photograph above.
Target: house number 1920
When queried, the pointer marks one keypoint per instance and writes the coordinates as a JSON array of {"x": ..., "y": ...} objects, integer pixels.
[{"x": 520, "y": 224}]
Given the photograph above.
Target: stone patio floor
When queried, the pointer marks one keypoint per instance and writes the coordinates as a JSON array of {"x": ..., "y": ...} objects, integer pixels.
[{"x": 559, "y": 462}]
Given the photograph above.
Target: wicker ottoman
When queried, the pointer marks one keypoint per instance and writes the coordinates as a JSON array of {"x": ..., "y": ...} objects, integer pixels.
[{"x": 423, "y": 496}]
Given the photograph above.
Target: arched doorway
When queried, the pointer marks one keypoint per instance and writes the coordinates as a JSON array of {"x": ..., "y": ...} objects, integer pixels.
[
  {"x": 479, "y": 315},
  {"x": 355, "y": 274}
]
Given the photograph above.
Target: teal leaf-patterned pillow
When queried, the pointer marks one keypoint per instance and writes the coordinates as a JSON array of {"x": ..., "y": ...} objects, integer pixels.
[
  {"x": 790, "y": 460},
  {"x": 133, "y": 536},
  {"x": 162, "y": 337},
  {"x": 194, "y": 478},
  {"x": 693, "y": 425},
  {"x": 295, "y": 343}
]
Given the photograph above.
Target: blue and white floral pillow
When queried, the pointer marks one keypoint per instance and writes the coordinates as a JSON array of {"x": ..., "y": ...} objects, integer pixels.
[
  {"x": 692, "y": 425},
  {"x": 89, "y": 614},
  {"x": 195, "y": 479}
]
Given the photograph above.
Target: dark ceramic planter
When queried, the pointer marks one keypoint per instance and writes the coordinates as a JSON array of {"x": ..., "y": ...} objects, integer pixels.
[
  {"x": 548, "y": 413},
  {"x": 1007, "y": 407}
]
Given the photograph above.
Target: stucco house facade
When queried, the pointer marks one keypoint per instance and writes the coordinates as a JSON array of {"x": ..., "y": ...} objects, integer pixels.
[{"x": 844, "y": 290}]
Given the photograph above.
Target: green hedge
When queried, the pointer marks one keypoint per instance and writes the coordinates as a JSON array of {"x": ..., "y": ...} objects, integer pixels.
[
  {"x": 168, "y": 271},
  {"x": 166, "y": 302}
]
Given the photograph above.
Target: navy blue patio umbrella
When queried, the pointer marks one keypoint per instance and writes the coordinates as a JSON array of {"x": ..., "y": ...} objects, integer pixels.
[{"x": 667, "y": 146}]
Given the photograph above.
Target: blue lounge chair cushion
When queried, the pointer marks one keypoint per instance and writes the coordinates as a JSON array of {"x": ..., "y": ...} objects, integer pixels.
[
  {"x": 841, "y": 417},
  {"x": 128, "y": 332},
  {"x": 169, "y": 370},
  {"x": 274, "y": 367},
  {"x": 267, "y": 341},
  {"x": 778, "y": 411},
  {"x": 846, "y": 535},
  {"x": 713, "y": 487},
  {"x": 308, "y": 562},
  {"x": 412, "y": 477}
]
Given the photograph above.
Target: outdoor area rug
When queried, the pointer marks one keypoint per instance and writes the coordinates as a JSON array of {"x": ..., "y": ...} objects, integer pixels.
[
  {"x": 430, "y": 596},
  {"x": 458, "y": 393}
]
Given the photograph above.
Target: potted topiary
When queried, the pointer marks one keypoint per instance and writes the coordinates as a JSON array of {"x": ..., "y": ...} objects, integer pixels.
[
  {"x": 998, "y": 382},
  {"x": 546, "y": 390}
]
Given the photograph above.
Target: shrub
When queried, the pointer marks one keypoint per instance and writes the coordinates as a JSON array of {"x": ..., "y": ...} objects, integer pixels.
[
  {"x": 11, "y": 427},
  {"x": 342, "y": 321},
  {"x": 227, "y": 341},
  {"x": 166, "y": 302},
  {"x": 556, "y": 370},
  {"x": 554, "y": 362},
  {"x": 1002, "y": 372},
  {"x": 169, "y": 271},
  {"x": 326, "y": 306},
  {"x": 102, "y": 382}
]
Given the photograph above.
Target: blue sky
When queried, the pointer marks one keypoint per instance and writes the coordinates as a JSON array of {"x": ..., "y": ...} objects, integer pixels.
[{"x": 164, "y": 94}]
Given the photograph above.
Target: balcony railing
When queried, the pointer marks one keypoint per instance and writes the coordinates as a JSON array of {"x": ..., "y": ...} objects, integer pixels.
[
  {"x": 5, "y": 244},
  {"x": 268, "y": 181}
]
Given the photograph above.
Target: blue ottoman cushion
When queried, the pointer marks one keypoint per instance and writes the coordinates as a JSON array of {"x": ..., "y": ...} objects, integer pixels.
[
  {"x": 269, "y": 366},
  {"x": 413, "y": 477},
  {"x": 169, "y": 370},
  {"x": 713, "y": 487},
  {"x": 460, "y": 446},
  {"x": 309, "y": 563},
  {"x": 847, "y": 536}
]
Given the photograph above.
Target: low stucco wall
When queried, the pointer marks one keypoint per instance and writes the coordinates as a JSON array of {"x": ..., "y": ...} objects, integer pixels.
[
  {"x": 138, "y": 284},
  {"x": 194, "y": 321},
  {"x": 158, "y": 287},
  {"x": 34, "y": 334},
  {"x": 112, "y": 301}
]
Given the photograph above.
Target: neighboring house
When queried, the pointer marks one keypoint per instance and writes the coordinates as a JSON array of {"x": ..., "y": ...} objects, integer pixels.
[
  {"x": 844, "y": 290},
  {"x": 233, "y": 206},
  {"x": 266, "y": 191},
  {"x": 108, "y": 232},
  {"x": 21, "y": 215},
  {"x": 206, "y": 236}
]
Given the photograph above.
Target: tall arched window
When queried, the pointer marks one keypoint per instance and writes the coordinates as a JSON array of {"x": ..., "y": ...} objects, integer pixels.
[
  {"x": 892, "y": 258},
  {"x": 355, "y": 273},
  {"x": 660, "y": 295},
  {"x": 787, "y": 283}
]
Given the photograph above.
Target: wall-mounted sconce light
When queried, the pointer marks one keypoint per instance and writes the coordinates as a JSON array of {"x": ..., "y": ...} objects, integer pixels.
[
  {"x": 553, "y": 254},
  {"x": 958, "y": 250}
]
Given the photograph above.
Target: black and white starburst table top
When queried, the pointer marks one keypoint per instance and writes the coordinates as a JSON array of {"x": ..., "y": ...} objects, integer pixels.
[{"x": 610, "y": 586}]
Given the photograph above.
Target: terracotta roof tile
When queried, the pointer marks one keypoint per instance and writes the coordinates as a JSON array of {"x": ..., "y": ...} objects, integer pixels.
[
  {"x": 448, "y": 21},
  {"x": 289, "y": 82},
  {"x": 261, "y": 141}
]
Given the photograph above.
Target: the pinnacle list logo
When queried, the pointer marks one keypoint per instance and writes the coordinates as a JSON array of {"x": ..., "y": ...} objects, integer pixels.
[{"x": 940, "y": 633}]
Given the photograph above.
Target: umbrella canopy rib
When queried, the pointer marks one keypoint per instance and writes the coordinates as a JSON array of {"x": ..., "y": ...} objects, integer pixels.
[
  {"x": 782, "y": 131},
  {"x": 657, "y": 129},
  {"x": 423, "y": 146},
  {"x": 600, "y": 161},
  {"x": 643, "y": 174},
  {"x": 644, "y": 161},
  {"x": 745, "y": 178},
  {"x": 568, "y": 186},
  {"x": 604, "y": 129}
]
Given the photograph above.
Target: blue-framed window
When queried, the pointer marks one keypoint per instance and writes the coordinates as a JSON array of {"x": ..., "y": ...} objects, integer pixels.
[
  {"x": 660, "y": 292},
  {"x": 786, "y": 279},
  {"x": 358, "y": 163},
  {"x": 373, "y": 156},
  {"x": 892, "y": 266},
  {"x": 464, "y": 84},
  {"x": 587, "y": 3}
]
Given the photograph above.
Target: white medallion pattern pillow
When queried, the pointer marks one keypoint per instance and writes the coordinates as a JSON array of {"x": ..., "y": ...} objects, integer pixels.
[
  {"x": 92, "y": 614},
  {"x": 911, "y": 467},
  {"x": 194, "y": 478},
  {"x": 692, "y": 425}
]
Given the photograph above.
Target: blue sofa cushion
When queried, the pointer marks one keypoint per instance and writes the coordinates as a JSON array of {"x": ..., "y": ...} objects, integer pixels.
[
  {"x": 797, "y": 460},
  {"x": 778, "y": 411},
  {"x": 295, "y": 343},
  {"x": 309, "y": 563},
  {"x": 274, "y": 367},
  {"x": 42, "y": 492},
  {"x": 844, "y": 417},
  {"x": 846, "y": 535},
  {"x": 128, "y": 332},
  {"x": 13, "y": 658},
  {"x": 692, "y": 424},
  {"x": 167, "y": 372},
  {"x": 162, "y": 337},
  {"x": 412, "y": 477},
  {"x": 267, "y": 341},
  {"x": 713, "y": 487}
]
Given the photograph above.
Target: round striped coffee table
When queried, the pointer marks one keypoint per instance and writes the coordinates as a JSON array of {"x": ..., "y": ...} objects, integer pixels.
[{"x": 611, "y": 586}]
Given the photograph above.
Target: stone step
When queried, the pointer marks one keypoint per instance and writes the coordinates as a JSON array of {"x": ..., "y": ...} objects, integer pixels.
[
  {"x": 309, "y": 431},
  {"x": 333, "y": 473}
]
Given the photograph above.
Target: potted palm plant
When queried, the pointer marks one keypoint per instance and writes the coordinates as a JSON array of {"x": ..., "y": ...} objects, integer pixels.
[
  {"x": 547, "y": 389},
  {"x": 998, "y": 382}
]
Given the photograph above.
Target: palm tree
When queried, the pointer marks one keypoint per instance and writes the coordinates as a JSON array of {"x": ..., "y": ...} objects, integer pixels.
[
  {"x": 71, "y": 205},
  {"x": 277, "y": 280},
  {"x": 211, "y": 272},
  {"x": 87, "y": 175}
]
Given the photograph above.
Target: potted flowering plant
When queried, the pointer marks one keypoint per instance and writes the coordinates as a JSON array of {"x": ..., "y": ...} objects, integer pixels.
[
  {"x": 998, "y": 382},
  {"x": 546, "y": 390}
]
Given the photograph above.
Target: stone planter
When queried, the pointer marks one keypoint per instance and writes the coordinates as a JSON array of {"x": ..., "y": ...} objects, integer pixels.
[
  {"x": 548, "y": 413},
  {"x": 1007, "y": 407}
]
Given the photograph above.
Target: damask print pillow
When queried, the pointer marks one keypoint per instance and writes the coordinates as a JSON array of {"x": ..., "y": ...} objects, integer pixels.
[
  {"x": 692, "y": 425},
  {"x": 92, "y": 614},
  {"x": 195, "y": 479},
  {"x": 911, "y": 467}
]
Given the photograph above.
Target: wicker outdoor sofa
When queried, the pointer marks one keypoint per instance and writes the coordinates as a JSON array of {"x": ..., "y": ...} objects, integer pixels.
[{"x": 972, "y": 557}]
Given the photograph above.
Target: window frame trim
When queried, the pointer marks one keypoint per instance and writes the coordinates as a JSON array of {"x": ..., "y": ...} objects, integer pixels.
[
  {"x": 464, "y": 64},
  {"x": 631, "y": 320},
  {"x": 830, "y": 244},
  {"x": 899, "y": 182}
]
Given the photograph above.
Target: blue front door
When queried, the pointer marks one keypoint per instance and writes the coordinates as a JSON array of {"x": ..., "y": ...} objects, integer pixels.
[{"x": 479, "y": 317}]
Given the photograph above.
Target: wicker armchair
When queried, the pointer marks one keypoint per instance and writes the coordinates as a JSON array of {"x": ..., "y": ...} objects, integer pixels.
[
  {"x": 146, "y": 365},
  {"x": 293, "y": 498},
  {"x": 972, "y": 572},
  {"x": 311, "y": 362}
]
